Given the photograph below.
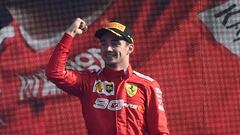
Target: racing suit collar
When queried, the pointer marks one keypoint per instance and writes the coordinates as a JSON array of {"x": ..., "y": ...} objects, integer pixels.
[{"x": 118, "y": 74}]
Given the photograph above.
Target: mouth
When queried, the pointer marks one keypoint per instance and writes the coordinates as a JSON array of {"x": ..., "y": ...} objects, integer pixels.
[{"x": 110, "y": 56}]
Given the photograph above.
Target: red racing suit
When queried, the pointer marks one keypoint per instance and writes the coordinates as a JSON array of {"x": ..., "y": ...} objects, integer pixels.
[{"x": 114, "y": 102}]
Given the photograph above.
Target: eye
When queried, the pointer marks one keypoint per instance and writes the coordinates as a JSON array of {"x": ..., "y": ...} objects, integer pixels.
[
  {"x": 115, "y": 43},
  {"x": 102, "y": 43}
]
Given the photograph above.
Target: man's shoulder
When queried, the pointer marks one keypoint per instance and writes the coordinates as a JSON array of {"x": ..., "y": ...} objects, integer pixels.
[{"x": 143, "y": 77}]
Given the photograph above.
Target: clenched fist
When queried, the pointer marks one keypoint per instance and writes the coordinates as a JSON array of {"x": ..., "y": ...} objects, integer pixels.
[{"x": 78, "y": 27}]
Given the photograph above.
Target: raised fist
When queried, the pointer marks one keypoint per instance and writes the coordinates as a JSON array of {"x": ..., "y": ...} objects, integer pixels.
[{"x": 78, "y": 27}]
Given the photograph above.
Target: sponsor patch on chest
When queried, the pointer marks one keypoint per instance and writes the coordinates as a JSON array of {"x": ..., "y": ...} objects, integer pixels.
[{"x": 104, "y": 87}]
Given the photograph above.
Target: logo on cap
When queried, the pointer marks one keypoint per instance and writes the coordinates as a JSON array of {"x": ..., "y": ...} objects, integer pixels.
[
  {"x": 116, "y": 25},
  {"x": 116, "y": 28}
]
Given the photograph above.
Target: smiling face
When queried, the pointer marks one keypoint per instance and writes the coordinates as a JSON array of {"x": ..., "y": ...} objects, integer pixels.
[{"x": 115, "y": 51}]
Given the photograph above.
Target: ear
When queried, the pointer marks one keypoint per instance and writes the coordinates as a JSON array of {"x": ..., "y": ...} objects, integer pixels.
[{"x": 130, "y": 48}]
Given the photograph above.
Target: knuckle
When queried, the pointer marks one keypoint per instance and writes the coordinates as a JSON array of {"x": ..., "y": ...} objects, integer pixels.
[{"x": 78, "y": 19}]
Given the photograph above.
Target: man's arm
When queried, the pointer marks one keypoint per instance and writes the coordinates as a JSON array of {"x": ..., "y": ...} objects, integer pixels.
[
  {"x": 156, "y": 118},
  {"x": 68, "y": 80}
]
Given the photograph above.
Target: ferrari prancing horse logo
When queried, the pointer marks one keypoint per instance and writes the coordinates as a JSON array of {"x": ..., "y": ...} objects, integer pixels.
[{"x": 131, "y": 89}]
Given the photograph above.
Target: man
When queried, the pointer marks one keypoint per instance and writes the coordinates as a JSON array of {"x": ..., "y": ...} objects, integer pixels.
[{"x": 116, "y": 99}]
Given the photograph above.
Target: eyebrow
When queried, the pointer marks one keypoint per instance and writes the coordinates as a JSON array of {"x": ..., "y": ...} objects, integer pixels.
[{"x": 115, "y": 40}]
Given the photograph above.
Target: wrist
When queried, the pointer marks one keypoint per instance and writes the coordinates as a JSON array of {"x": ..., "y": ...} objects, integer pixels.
[
  {"x": 66, "y": 39},
  {"x": 70, "y": 33}
]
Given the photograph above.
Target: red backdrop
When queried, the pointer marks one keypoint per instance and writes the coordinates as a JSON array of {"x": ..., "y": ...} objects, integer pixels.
[{"x": 191, "y": 47}]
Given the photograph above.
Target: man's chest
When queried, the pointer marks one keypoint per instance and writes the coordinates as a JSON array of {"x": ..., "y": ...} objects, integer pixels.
[{"x": 117, "y": 95}]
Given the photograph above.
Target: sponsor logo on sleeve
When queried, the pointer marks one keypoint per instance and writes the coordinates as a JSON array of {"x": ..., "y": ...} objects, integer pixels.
[
  {"x": 104, "y": 87},
  {"x": 159, "y": 98},
  {"x": 131, "y": 89}
]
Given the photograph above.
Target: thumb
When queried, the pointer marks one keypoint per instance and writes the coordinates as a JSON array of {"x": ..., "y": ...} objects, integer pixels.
[{"x": 78, "y": 31}]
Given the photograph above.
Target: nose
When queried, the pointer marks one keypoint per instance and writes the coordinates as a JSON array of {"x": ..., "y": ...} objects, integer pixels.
[{"x": 109, "y": 48}]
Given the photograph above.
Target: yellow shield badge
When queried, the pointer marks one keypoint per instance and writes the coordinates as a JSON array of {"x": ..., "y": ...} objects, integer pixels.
[
  {"x": 99, "y": 87},
  {"x": 131, "y": 89}
]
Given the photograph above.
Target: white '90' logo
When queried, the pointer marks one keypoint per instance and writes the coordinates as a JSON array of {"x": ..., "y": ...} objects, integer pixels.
[{"x": 113, "y": 105}]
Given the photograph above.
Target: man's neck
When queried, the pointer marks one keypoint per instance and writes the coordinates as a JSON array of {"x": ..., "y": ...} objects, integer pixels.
[{"x": 118, "y": 68}]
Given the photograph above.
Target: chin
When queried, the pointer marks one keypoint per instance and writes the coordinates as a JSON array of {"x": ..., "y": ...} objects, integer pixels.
[
  {"x": 110, "y": 60},
  {"x": 110, "y": 63}
]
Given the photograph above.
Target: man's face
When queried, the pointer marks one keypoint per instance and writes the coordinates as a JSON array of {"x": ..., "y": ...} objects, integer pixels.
[{"x": 114, "y": 50}]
